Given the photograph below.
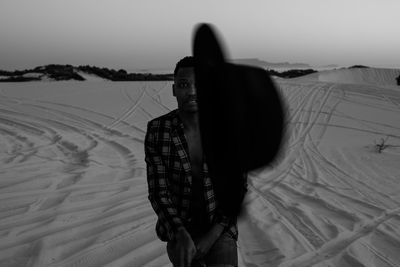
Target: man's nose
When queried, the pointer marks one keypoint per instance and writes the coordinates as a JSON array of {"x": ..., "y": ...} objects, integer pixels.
[{"x": 192, "y": 90}]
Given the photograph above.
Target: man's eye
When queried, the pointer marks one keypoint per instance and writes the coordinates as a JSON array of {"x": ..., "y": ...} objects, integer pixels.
[{"x": 183, "y": 85}]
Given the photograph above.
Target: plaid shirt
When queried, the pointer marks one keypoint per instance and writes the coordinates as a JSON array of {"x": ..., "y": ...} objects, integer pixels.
[{"x": 169, "y": 178}]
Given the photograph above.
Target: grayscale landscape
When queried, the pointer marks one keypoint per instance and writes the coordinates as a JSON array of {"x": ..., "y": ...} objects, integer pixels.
[
  {"x": 73, "y": 181},
  {"x": 80, "y": 80}
]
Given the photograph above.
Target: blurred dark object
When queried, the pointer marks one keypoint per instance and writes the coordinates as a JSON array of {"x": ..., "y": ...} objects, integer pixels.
[{"x": 241, "y": 118}]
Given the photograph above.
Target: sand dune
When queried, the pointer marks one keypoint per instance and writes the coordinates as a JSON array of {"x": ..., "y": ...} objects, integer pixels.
[
  {"x": 90, "y": 77},
  {"x": 372, "y": 76},
  {"x": 73, "y": 186}
]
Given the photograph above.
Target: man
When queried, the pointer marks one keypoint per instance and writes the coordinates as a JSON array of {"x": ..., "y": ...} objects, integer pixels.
[{"x": 180, "y": 189}]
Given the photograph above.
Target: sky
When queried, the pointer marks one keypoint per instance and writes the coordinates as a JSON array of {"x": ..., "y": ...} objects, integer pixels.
[{"x": 150, "y": 34}]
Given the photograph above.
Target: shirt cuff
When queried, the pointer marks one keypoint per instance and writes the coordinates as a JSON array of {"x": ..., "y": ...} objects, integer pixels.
[{"x": 223, "y": 220}]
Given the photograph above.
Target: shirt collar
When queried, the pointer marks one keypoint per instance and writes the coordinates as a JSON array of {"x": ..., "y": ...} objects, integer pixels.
[{"x": 176, "y": 120}]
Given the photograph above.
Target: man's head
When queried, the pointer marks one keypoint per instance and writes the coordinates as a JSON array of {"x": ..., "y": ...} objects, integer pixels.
[{"x": 184, "y": 88}]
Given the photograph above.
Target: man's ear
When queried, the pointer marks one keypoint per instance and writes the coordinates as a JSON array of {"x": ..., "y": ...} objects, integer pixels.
[{"x": 173, "y": 89}]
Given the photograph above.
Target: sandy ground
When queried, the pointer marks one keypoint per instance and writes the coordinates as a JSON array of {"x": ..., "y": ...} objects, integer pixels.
[{"x": 73, "y": 186}]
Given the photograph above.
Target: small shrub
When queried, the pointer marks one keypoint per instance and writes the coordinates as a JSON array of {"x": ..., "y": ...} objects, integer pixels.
[{"x": 382, "y": 145}]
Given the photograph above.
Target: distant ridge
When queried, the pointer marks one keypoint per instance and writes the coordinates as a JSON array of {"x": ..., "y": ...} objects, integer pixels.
[
  {"x": 330, "y": 66},
  {"x": 55, "y": 72},
  {"x": 269, "y": 65}
]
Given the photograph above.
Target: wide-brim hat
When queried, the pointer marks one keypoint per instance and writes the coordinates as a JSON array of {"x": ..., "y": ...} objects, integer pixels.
[{"x": 241, "y": 115}]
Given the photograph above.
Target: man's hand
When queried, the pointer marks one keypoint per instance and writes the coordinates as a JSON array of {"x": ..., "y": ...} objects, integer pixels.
[
  {"x": 185, "y": 248},
  {"x": 204, "y": 243}
]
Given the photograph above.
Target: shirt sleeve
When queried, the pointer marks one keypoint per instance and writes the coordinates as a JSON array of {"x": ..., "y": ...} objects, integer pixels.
[{"x": 159, "y": 195}]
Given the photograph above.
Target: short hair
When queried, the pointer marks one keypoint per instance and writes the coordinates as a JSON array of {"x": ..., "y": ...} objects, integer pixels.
[{"x": 185, "y": 62}]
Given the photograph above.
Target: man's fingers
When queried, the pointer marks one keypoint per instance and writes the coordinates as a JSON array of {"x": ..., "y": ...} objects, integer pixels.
[
  {"x": 188, "y": 260},
  {"x": 191, "y": 253},
  {"x": 194, "y": 252},
  {"x": 182, "y": 260},
  {"x": 197, "y": 254},
  {"x": 186, "y": 253},
  {"x": 185, "y": 259}
]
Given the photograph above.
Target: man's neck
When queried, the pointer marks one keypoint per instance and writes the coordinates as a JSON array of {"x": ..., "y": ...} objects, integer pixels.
[{"x": 190, "y": 120}]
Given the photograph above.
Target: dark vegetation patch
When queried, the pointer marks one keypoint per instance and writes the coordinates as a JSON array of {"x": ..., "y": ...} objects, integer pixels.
[
  {"x": 358, "y": 67},
  {"x": 123, "y": 75},
  {"x": 19, "y": 79},
  {"x": 69, "y": 72},
  {"x": 291, "y": 73}
]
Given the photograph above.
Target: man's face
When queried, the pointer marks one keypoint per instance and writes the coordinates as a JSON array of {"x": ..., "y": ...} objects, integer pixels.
[{"x": 184, "y": 90}]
